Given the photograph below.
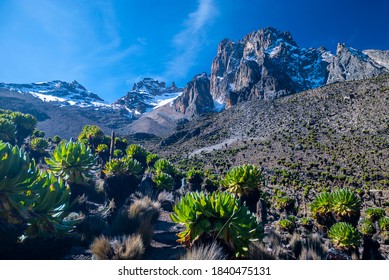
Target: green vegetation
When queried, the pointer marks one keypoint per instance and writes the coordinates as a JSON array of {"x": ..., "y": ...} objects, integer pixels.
[
  {"x": 92, "y": 134},
  {"x": 39, "y": 145},
  {"x": 17, "y": 174},
  {"x": 73, "y": 161},
  {"x": 342, "y": 205},
  {"x": 7, "y": 131},
  {"x": 36, "y": 200},
  {"x": 137, "y": 152},
  {"x": 366, "y": 227},
  {"x": 216, "y": 216},
  {"x": 344, "y": 236},
  {"x": 374, "y": 214},
  {"x": 16, "y": 126},
  {"x": 123, "y": 166},
  {"x": 242, "y": 180}
]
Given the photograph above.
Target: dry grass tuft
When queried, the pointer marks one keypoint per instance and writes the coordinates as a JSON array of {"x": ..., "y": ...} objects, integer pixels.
[
  {"x": 205, "y": 252},
  {"x": 101, "y": 249},
  {"x": 143, "y": 209},
  {"x": 124, "y": 248},
  {"x": 130, "y": 248}
]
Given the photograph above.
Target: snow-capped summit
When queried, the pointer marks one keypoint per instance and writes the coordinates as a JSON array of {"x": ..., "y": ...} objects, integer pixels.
[
  {"x": 268, "y": 63},
  {"x": 146, "y": 95},
  {"x": 63, "y": 93}
]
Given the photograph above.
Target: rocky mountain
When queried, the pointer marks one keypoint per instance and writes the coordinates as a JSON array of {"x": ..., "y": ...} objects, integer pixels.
[
  {"x": 59, "y": 92},
  {"x": 146, "y": 95},
  {"x": 335, "y": 135},
  {"x": 196, "y": 98},
  {"x": 268, "y": 64},
  {"x": 63, "y": 108}
]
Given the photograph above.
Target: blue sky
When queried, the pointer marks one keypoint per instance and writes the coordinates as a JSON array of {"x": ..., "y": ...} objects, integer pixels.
[{"x": 108, "y": 45}]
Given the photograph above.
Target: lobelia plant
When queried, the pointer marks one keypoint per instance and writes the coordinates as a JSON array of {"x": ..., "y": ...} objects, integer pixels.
[
  {"x": 346, "y": 206},
  {"x": 7, "y": 131},
  {"x": 37, "y": 201},
  {"x": 137, "y": 152},
  {"x": 123, "y": 166},
  {"x": 244, "y": 181},
  {"x": 73, "y": 161},
  {"x": 344, "y": 237},
  {"x": 218, "y": 216},
  {"x": 374, "y": 214},
  {"x": 321, "y": 209},
  {"x": 164, "y": 166},
  {"x": 17, "y": 174},
  {"x": 92, "y": 134},
  {"x": 51, "y": 208}
]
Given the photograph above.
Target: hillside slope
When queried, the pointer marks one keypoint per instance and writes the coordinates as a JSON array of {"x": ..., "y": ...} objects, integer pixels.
[{"x": 330, "y": 136}]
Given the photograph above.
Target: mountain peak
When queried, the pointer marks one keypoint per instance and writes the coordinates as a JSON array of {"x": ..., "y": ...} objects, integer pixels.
[
  {"x": 268, "y": 64},
  {"x": 147, "y": 94}
]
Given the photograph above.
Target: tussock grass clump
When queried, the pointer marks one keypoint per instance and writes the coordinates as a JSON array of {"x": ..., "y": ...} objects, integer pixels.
[
  {"x": 212, "y": 251},
  {"x": 124, "y": 248},
  {"x": 144, "y": 209},
  {"x": 143, "y": 213},
  {"x": 101, "y": 249}
]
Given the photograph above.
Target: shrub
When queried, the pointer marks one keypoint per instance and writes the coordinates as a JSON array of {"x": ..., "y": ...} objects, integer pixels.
[
  {"x": 344, "y": 236},
  {"x": 124, "y": 248},
  {"x": 366, "y": 227},
  {"x": 137, "y": 152},
  {"x": 346, "y": 205},
  {"x": 7, "y": 131},
  {"x": 17, "y": 173},
  {"x": 73, "y": 161},
  {"x": 286, "y": 225},
  {"x": 38, "y": 133},
  {"x": 374, "y": 214},
  {"x": 102, "y": 149},
  {"x": 286, "y": 203},
  {"x": 118, "y": 153},
  {"x": 144, "y": 209},
  {"x": 56, "y": 139},
  {"x": 25, "y": 125},
  {"x": 39, "y": 145},
  {"x": 123, "y": 166},
  {"x": 151, "y": 159},
  {"x": 242, "y": 180},
  {"x": 205, "y": 252},
  {"x": 164, "y": 166},
  {"x": 163, "y": 181},
  {"x": 216, "y": 216},
  {"x": 93, "y": 134},
  {"x": 383, "y": 224}
]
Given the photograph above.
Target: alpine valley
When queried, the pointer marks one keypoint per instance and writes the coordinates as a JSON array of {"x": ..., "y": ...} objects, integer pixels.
[
  {"x": 305, "y": 128},
  {"x": 264, "y": 65}
]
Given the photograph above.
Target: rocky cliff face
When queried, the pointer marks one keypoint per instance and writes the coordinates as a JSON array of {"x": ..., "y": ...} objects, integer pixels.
[
  {"x": 196, "y": 98},
  {"x": 350, "y": 64},
  {"x": 268, "y": 64},
  {"x": 146, "y": 95}
]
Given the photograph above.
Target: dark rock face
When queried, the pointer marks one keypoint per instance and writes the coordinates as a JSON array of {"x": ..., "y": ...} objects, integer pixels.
[
  {"x": 196, "y": 98},
  {"x": 268, "y": 64}
]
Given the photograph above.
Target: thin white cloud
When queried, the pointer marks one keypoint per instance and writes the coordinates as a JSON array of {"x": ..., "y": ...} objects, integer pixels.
[{"x": 187, "y": 43}]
